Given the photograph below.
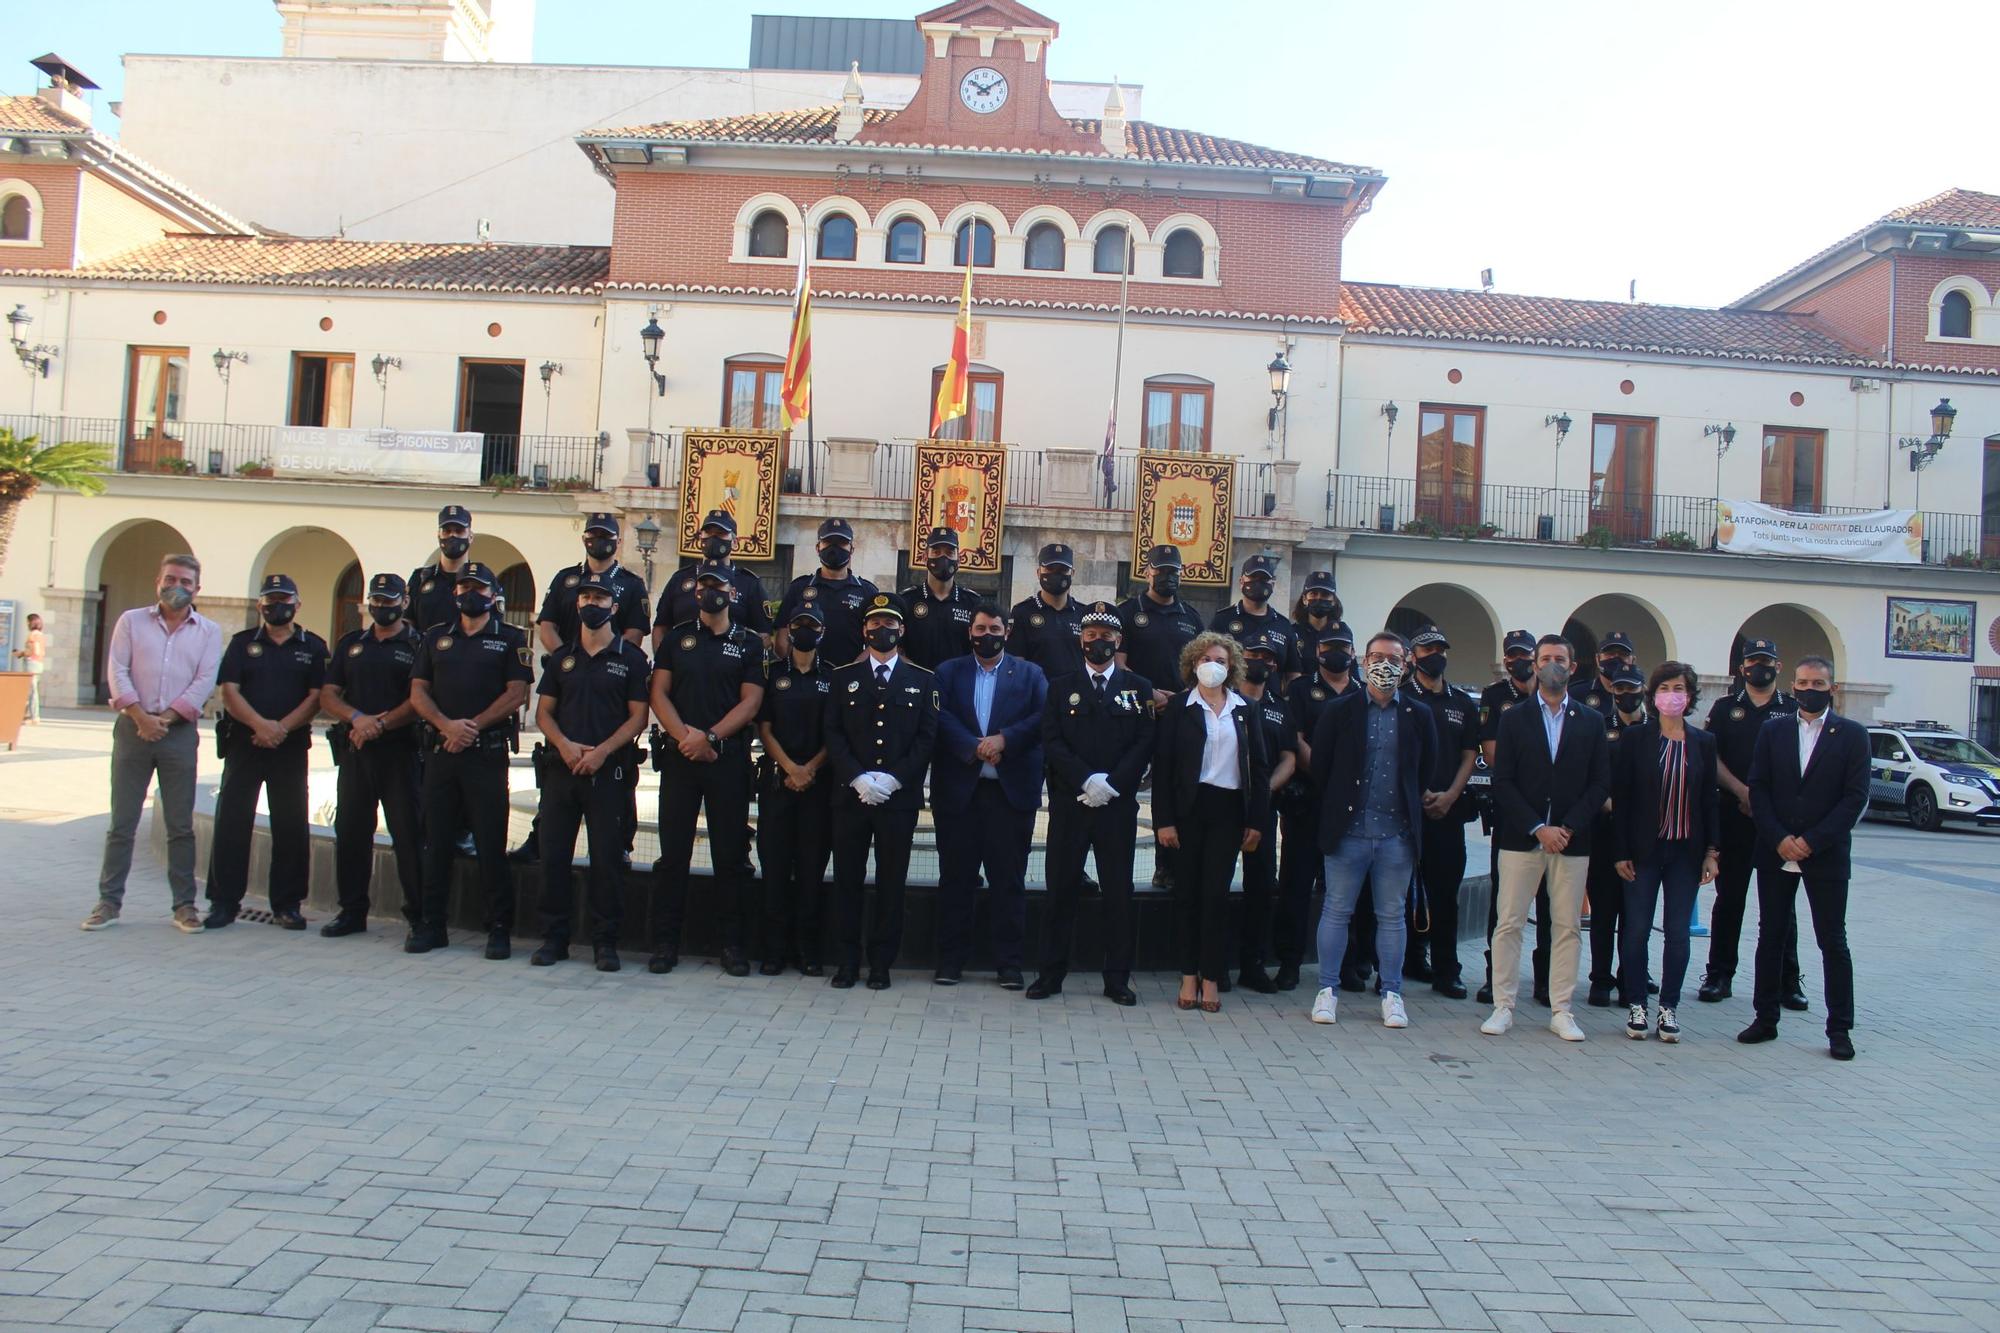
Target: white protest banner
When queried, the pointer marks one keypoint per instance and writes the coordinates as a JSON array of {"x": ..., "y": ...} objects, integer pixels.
[
  {"x": 433, "y": 457},
  {"x": 1885, "y": 536}
]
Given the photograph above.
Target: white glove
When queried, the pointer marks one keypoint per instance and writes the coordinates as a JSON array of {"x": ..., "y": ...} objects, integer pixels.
[
  {"x": 886, "y": 784},
  {"x": 1098, "y": 791},
  {"x": 864, "y": 787}
]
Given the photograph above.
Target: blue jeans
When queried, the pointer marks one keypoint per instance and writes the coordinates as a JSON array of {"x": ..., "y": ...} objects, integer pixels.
[
  {"x": 1388, "y": 863},
  {"x": 1673, "y": 871}
]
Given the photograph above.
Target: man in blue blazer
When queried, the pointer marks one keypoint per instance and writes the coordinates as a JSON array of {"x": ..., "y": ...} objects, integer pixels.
[
  {"x": 1808, "y": 789},
  {"x": 986, "y": 784}
]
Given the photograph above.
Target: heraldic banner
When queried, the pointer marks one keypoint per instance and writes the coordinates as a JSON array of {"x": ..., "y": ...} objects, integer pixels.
[
  {"x": 735, "y": 471},
  {"x": 1185, "y": 500},
  {"x": 962, "y": 487}
]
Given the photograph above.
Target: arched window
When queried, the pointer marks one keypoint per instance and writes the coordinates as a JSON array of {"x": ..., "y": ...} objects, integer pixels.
[
  {"x": 17, "y": 218},
  {"x": 1104, "y": 256},
  {"x": 1046, "y": 250},
  {"x": 1182, "y": 257},
  {"x": 979, "y": 236},
  {"x": 836, "y": 236},
  {"x": 768, "y": 235},
  {"x": 1955, "y": 316},
  {"x": 906, "y": 241}
]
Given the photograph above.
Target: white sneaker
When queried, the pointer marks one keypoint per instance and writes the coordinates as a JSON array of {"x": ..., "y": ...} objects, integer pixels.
[
  {"x": 1326, "y": 1006},
  {"x": 1392, "y": 1011},
  {"x": 1564, "y": 1026},
  {"x": 1635, "y": 1022},
  {"x": 1501, "y": 1020},
  {"x": 1670, "y": 1027}
]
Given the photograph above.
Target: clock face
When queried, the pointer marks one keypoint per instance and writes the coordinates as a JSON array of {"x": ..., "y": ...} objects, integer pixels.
[{"x": 983, "y": 90}]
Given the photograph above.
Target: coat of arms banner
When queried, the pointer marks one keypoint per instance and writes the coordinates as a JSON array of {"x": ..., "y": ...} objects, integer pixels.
[
  {"x": 962, "y": 487},
  {"x": 735, "y": 471},
  {"x": 1185, "y": 501}
]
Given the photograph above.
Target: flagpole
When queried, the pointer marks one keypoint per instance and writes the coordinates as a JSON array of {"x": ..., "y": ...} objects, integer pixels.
[{"x": 1117, "y": 370}]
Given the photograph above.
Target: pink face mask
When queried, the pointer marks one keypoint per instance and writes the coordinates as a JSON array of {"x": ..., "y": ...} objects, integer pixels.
[{"x": 1670, "y": 703}]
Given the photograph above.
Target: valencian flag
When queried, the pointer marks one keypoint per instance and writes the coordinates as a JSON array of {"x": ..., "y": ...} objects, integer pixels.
[
  {"x": 954, "y": 386},
  {"x": 795, "y": 392}
]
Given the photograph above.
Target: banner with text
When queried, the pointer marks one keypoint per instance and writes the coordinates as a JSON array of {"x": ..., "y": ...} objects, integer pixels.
[
  {"x": 962, "y": 487},
  {"x": 1886, "y": 536},
  {"x": 735, "y": 471},
  {"x": 429, "y": 457},
  {"x": 1184, "y": 501}
]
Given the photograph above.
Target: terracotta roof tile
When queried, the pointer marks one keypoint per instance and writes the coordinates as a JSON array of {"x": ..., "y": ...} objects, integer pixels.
[
  {"x": 381, "y": 265},
  {"x": 34, "y": 115},
  {"x": 31, "y": 115},
  {"x": 950, "y": 299},
  {"x": 1951, "y": 208}
]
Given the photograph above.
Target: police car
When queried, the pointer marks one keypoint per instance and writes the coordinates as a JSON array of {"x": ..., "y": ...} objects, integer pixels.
[{"x": 1931, "y": 773}]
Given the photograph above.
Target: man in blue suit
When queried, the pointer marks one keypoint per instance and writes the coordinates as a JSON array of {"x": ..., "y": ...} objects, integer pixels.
[
  {"x": 986, "y": 784},
  {"x": 1808, "y": 789}
]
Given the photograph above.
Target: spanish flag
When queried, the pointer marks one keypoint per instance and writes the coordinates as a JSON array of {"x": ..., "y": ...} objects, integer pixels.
[
  {"x": 795, "y": 391},
  {"x": 954, "y": 386}
]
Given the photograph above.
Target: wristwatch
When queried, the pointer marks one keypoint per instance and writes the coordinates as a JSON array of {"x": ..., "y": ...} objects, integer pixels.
[{"x": 714, "y": 741}]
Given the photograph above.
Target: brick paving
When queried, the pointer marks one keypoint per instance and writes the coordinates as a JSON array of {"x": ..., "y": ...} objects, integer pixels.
[{"x": 259, "y": 1130}]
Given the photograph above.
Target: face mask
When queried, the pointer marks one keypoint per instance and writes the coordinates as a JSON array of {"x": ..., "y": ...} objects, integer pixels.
[
  {"x": 1211, "y": 674},
  {"x": 474, "y": 603},
  {"x": 1553, "y": 675},
  {"x": 1385, "y": 675},
  {"x": 1257, "y": 591},
  {"x": 714, "y": 599},
  {"x": 594, "y": 617},
  {"x": 278, "y": 613},
  {"x": 884, "y": 638},
  {"x": 1318, "y": 610},
  {"x": 716, "y": 547},
  {"x": 176, "y": 598},
  {"x": 1256, "y": 672},
  {"x": 1629, "y": 703},
  {"x": 805, "y": 638},
  {"x": 386, "y": 615},
  {"x": 1099, "y": 651},
  {"x": 942, "y": 567},
  {"x": 1055, "y": 585},
  {"x": 988, "y": 646},
  {"x": 1670, "y": 703},
  {"x": 1522, "y": 670},
  {"x": 1763, "y": 677},
  {"x": 1337, "y": 661},
  {"x": 601, "y": 548},
  {"x": 835, "y": 557},
  {"x": 454, "y": 548},
  {"x": 1166, "y": 584},
  {"x": 1431, "y": 666},
  {"x": 1813, "y": 702}
]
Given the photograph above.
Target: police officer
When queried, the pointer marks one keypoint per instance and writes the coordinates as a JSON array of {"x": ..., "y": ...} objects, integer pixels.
[
  {"x": 1614, "y": 650},
  {"x": 838, "y": 592},
  {"x": 1447, "y": 809},
  {"x": 1318, "y": 607},
  {"x": 1330, "y": 653},
  {"x": 881, "y": 726},
  {"x": 374, "y": 745},
  {"x": 1263, "y": 656},
  {"x": 1156, "y": 624},
  {"x": 680, "y": 601},
  {"x": 270, "y": 679},
  {"x": 1734, "y": 721},
  {"x": 433, "y": 587},
  {"x": 1097, "y": 738},
  {"x": 556, "y": 623},
  {"x": 708, "y": 683},
  {"x": 1047, "y": 629},
  {"x": 470, "y": 679},
  {"x": 940, "y": 609},
  {"x": 1620, "y": 698},
  {"x": 1517, "y": 657},
  {"x": 795, "y": 799},
  {"x": 1253, "y": 614},
  {"x": 591, "y": 706}
]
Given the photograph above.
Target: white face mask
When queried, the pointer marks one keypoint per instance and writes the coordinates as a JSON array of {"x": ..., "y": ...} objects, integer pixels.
[
  {"x": 1385, "y": 675},
  {"x": 1211, "y": 674}
]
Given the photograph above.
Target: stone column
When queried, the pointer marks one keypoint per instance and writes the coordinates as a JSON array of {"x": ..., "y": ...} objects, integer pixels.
[
  {"x": 1070, "y": 478},
  {"x": 71, "y": 617},
  {"x": 638, "y": 453},
  {"x": 1285, "y": 482},
  {"x": 850, "y": 468}
]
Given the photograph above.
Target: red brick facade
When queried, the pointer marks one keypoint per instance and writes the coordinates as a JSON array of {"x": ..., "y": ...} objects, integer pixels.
[
  {"x": 1854, "y": 307},
  {"x": 1028, "y": 120},
  {"x": 1917, "y": 276},
  {"x": 57, "y": 183}
]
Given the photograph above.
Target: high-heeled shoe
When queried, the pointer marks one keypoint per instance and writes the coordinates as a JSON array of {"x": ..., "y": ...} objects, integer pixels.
[
  {"x": 1188, "y": 1002},
  {"x": 1213, "y": 1006}
]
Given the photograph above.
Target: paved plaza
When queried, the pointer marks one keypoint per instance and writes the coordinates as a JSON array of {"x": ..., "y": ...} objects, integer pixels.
[{"x": 262, "y": 1130}]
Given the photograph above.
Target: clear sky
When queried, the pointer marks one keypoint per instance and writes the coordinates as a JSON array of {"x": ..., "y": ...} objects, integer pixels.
[{"x": 1696, "y": 147}]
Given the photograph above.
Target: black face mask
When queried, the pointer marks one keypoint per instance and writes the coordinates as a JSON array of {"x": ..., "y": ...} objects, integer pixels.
[
  {"x": 1522, "y": 669},
  {"x": 1432, "y": 666},
  {"x": 1318, "y": 610},
  {"x": 1337, "y": 661},
  {"x": 1629, "y": 703},
  {"x": 601, "y": 548},
  {"x": 1256, "y": 672},
  {"x": 386, "y": 616},
  {"x": 943, "y": 568},
  {"x": 1099, "y": 651},
  {"x": 474, "y": 603},
  {"x": 278, "y": 613},
  {"x": 1763, "y": 677},
  {"x": 713, "y": 600},
  {"x": 1167, "y": 585},
  {"x": 988, "y": 645},
  {"x": 717, "y": 547},
  {"x": 1258, "y": 591},
  {"x": 1813, "y": 702},
  {"x": 805, "y": 638},
  {"x": 1055, "y": 585},
  {"x": 454, "y": 548},
  {"x": 835, "y": 557},
  {"x": 884, "y": 638},
  {"x": 594, "y": 617}
]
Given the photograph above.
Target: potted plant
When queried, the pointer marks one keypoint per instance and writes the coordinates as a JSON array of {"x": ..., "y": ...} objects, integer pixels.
[
  {"x": 178, "y": 466},
  {"x": 256, "y": 467},
  {"x": 1676, "y": 541},
  {"x": 1422, "y": 526},
  {"x": 1598, "y": 537},
  {"x": 507, "y": 481}
]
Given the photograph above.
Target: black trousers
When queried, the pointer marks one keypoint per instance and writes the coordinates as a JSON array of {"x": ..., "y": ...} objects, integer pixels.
[
  {"x": 1826, "y": 895},
  {"x": 1110, "y": 833},
  {"x": 381, "y": 773},
  {"x": 1211, "y": 835},
  {"x": 889, "y": 829},
  {"x": 1732, "y": 894},
  {"x": 599, "y": 802},
  {"x": 1301, "y": 867},
  {"x": 1607, "y": 914},
  {"x": 281, "y": 774},
  {"x": 467, "y": 788},
  {"x": 1544, "y": 922},
  {"x": 991, "y": 833},
  {"x": 1441, "y": 867},
  {"x": 794, "y": 832},
  {"x": 723, "y": 787},
  {"x": 1260, "y": 898}
]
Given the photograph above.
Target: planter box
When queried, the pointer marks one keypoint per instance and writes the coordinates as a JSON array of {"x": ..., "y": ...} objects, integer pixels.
[{"x": 13, "y": 705}]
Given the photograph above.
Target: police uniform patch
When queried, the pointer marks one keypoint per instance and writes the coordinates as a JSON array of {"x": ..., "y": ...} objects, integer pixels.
[
  {"x": 810, "y": 593},
  {"x": 429, "y": 584},
  {"x": 569, "y": 664},
  {"x": 1592, "y": 700},
  {"x": 256, "y": 650},
  {"x": 444, "y": 642},
  {"x": 1737, "y": 714},
  {"x": 687, "y": 643},
  {"x": 783, "y": 683},
  {"x": 572, "y": 580},
  {"x": 1318, "y": 694},
  {"x": 1142, "y": 620},
  {"x": 1036, "y": 619},
  {"x": 354, "y": 650},
  {"x": 522, "y": 653},
  {"x": 688, "y": 586},
  {"x": 1076, "y": 698},
  {"x": 1235, "y": 627},
  {"x": 853, "y": 686},
  {"x": 920, "y": 610}
]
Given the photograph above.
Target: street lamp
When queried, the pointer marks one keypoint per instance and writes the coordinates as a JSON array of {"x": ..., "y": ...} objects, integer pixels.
[
  {"x": 1280, "y": 371},
  {"x": 647, "y": 533},
  {"x": 34, "y": 358},
  {"x": 1922, "y": 451},
  {"x": 649, "y": 340},
  {"x": 223, "y": 363},
  {"x": 1725, "y": 436},
  {"x": 1385, "y": 513},
  {"x": 1545, "y": 525}
]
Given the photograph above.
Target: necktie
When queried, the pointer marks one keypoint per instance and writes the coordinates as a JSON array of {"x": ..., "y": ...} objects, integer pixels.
[
  {"x": 882, "y": 674},
  {"x": 1103, "y": 683}
]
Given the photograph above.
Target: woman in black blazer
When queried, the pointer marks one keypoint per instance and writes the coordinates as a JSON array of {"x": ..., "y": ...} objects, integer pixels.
[
  {"x": 1666, "y": 816},
  {"x": 1211, "y": 794}
]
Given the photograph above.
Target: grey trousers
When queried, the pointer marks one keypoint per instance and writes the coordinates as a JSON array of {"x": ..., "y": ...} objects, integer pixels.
[{"x": 133, "y": 765}]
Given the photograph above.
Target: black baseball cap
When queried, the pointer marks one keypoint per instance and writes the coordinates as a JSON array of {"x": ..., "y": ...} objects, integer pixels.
[
  {"x": 1264, "y": 641},
  {"x": 942, "y": 537},
  {"x": 1320, "y": 580},
  {"x": 474, "y": 572},
  {"x": 1164, "y": 557},
  {"x": 1430, "y": 636},
  {"x": 387, "y": 585},
  {"x": 836, "y": 527},
  {"x": 806, "y": 611},
  {"x": 1517, "y": 639},
  {"x": 720, "y": 518},
  {"x": 278, "y": 583},
  {"x": 601, "y": 523},
  {"x": 722, "y": 571},
  {"x": 1616, "y": 641},
  {"x": 1625, "y": 673},
  {"x": 451, "y": 514},
  {"x": 1767, "y": 648},
  {"x": 1337, "y": 632},
  {"x": 1056, "y": 553},
  {"x": 1266, "y": 565},
  {"x": 597, "y": 580}
]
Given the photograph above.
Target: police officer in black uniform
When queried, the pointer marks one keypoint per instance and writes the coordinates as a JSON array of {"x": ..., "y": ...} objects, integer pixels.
[
  {"x": 795, "y": 799},
  {"x": 1047, "y": 629},
  {"x": 680, "y": 600},
  {"x": 1253, "y": 614},
  {"x": 881, "y": 726},
  {"x": 940, "y": 609},
  {"x": 1330, "y": 653},
  {"x": 1317, "y": 609},
  {"x": 1448, "y": 808},
  {"x": 1263, "y": 658},
  {"x": 433, "y": 588},
  {"x": 470, "y": 679},
  {"x": 591, "y": 707},
  {"x": 1734, "y": 721},
  {"x": 269, "y": 679},
  {"x": 1157, "y": 624},
  {"x": 1097, "y": 738},
  {"x": 838, "y": 592},
  {"x": 1620, "y": 699},
  {"x": 373, "y": 740},
  {"x": 1517, "y": 657},
  {"x": 1614, "y": 649},
  {"x": 708, "y": 683}
]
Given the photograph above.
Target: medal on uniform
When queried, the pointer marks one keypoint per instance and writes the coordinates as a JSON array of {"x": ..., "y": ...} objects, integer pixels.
[
  {"x": 354, "y": 651},
  {"x": 920, "y": 610},
  {"x": 444, "y": 643},
  {"x": 783, "y": 683},
  {"x": 1036, "y": 619},
  {"x": 1737, "y": 714},
  {"x": 853, "y": 686},
  {"x": 256, "y": 650},
  {"x": 1235, "y": 627},
  {"x": 569, "y": 664},
  {"x": 1142, "y": 620},
  {"x": 687, "y": 643},
  {"x": 1076, "y": 698},
  {"x": 1318, "y": 693}
]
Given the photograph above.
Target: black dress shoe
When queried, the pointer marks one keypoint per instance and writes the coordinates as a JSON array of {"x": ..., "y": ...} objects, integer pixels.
[
  {"x": 1352, "y": 983},
  {"x": 551, "y": 953},
  {"x": 844, "y": 978},
  {"x": 1713, "y": 989},
  {"x": 1257, "y": 979},
  {"x": 1486, "y": 993},
  {"x": 288, "y": 919},
  {"x": 343, "y": 925},
  {"x": 1119, "y": 993},
  {"x": 947, "y": 976},
  {"x": 1416, "y": 970},
  {"x": 218, "y": 919},
  {"x": 527, "y": 853},
  {"x": 607, "y": 958},
  {"x": 662, "y": 963},
  {"x": 1224, "y": 985},
  {"x": 1046, "y": 984},
  {"x": 878, "y": 978},
  {"x": 423, "y": 939},
  {"x": 1794, "y": 1000},
  {"x": 1451, "y": 990},
  {"x": 499, "y": 946},
  {"x": 1089, "y": 886},
  {"x": 1840, "y": 1046},
  {"x": 1287, "y": 977},
  {"x": 1542, "y": 996},
  {"x": 809, "y": 967},
  {"x": 734, "y": 963},
  {"x": 770, "y": 967},
  {"x": 1758, "y": 1031},
  {"x": 1010, "y": 978},
  {"x": 1600, "y": 997}
]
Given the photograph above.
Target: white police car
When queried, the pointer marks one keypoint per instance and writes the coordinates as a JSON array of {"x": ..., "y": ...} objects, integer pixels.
[{"x": 1930, "y": 773}]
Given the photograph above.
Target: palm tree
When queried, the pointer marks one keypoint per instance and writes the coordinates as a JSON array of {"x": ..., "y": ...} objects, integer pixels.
[{"x": 24, "y": 469}]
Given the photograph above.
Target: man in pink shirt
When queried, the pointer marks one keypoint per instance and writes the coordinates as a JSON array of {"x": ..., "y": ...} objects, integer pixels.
[{"x": 163, "y": 662}]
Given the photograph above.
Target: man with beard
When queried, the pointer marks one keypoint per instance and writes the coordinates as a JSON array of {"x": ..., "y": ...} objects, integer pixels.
[{"x": 940, "y": 608}]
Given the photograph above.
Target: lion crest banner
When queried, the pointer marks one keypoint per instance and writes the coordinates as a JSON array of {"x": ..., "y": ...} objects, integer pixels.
[
  {"x": 735, "y": 471},
  {"x": 962, "y": 487},
  {"x": 1186, "y": 501}
]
